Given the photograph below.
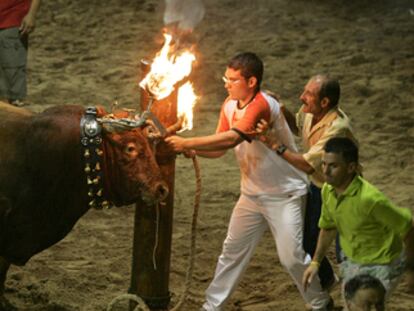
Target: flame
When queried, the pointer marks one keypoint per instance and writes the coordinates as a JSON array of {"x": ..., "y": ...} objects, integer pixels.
[
  {"x": 186, "y": 102},
  {"x": 167, "y": 69}
]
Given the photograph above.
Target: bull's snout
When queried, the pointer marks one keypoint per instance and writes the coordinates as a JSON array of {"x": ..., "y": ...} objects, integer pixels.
[{"x": 161, "y": 191}]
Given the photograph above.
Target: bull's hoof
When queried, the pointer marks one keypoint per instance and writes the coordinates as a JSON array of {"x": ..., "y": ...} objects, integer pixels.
[{"x": 5, "y": 305}]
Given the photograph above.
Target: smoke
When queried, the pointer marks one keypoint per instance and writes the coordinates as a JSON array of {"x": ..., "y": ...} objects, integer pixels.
[{"x": 185, "y": 13}]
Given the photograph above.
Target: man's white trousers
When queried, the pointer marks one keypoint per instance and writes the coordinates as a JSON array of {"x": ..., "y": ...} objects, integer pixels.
[{"x": 250, "y": 218}]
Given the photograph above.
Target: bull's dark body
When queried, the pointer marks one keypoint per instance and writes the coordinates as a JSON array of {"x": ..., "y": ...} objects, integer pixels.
[
  {"x": 43, "y": 190},
  {"x": 42, "y": 185}
]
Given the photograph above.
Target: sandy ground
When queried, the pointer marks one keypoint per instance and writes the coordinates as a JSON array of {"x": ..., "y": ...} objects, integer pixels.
[{"x": 88, "y": 52}]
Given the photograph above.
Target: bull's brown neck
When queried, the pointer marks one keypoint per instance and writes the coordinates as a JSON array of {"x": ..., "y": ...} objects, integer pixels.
[{"x": 93, "y": 158}]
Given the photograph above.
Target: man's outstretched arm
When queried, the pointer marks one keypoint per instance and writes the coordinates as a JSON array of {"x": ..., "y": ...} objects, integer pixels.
[{"x": 216, "y": 142}]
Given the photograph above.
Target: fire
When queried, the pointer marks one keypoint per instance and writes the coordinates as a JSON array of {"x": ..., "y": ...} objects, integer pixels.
[
  {"x": 186, "y": 102},
  {"x": 167, "y": 69}
]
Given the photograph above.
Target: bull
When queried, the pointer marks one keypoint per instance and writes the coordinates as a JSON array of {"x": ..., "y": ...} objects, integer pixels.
[{"x": 56, "y": 165}]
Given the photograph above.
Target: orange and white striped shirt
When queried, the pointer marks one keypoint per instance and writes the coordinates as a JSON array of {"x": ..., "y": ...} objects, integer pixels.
[{"x": 263, "y": 172}]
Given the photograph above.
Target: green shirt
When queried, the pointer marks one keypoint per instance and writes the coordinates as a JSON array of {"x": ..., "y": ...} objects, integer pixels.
[{"x": 371, "y": 228}]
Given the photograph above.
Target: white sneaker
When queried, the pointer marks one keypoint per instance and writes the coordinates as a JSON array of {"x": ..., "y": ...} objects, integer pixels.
[{"x": 329, "y": 307}]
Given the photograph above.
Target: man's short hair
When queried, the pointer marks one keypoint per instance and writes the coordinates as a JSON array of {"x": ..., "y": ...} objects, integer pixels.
[
  {"x": 249, "y": 64},
  {"x": 344, "y": 146},
  {"x": 362, "y": 281},
  {"x": 330, "y": 88}
]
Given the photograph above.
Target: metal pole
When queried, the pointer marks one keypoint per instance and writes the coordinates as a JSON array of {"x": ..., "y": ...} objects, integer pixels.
[{"x": 150, "y": 279}]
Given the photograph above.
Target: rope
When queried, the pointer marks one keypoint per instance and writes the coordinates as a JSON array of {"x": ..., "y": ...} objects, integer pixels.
[
  {"x": 157, "y": 222},
  {"x": 189, "y": 275},
  {"x": 129, "y": 297}
]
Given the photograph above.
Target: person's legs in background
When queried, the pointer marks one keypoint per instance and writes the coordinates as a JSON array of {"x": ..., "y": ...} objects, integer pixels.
[{"x": 13, "y": 61}]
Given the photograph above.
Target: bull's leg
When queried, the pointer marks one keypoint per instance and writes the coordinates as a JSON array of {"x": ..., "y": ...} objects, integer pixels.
[
  {"x": 4, "y": 267},
  {"x": 4, "y": 264},
  {"x": 5, "y": 305},
  {"x": 5, "y": 208}
]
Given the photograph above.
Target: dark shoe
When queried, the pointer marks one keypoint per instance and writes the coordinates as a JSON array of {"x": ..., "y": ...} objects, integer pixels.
[
  {"x": 331, "y": 305},
  {"x": 333, "y": 282}
]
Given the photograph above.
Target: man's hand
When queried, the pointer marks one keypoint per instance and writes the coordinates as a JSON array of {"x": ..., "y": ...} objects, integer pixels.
[
  {"x": 262, "y": 127},
  {"x": 267, "y": 134},
  {"x": 309, "y": 274},
  {"x": 27, "y": 25},
  {"x": 176, "y": 143}
]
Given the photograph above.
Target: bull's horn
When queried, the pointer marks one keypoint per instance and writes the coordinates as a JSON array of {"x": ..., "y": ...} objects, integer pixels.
[{"x": 121, "y": 124}]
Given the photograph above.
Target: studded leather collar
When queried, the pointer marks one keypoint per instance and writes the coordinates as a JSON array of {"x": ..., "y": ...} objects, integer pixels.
[{"x": 92, "y": 153}]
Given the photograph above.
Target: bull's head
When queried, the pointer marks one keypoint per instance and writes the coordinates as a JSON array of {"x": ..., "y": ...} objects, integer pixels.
[
  {"x": 130, "y": 168},
  {"x": 133, "y": 171}
]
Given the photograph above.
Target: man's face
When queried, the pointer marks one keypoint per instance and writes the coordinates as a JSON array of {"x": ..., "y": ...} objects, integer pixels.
[
  {"x": 367, "y": 299},
  {"x": 310, "y": 98},
  {"x": 336, "y": 171},
  {"x": 236, "y": 85}
]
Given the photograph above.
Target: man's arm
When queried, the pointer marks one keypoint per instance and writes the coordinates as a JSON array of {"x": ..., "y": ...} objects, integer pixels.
[
  {"x": 210, "y": 154},
  {"x": 269, "y": 138},
  {"x": 325, "y": 239},
  {"x": 28, "y": 22},
  {"x": 297, "y": 160},
  {"x": 34, "y": 7},
  {"x": 216, "y": 142}
]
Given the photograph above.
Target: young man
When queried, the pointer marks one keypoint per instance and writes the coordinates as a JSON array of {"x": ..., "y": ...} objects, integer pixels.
[
  {"x": 17, "y": 20},
  {"x": 318, "y": 120},
  {"x": 364, "y": 292},
  {"x": 272, "y": 192},
  {"x": 372, "y": 229}
]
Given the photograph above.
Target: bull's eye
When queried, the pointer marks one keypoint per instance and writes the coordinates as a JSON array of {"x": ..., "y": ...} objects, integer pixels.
[{"x": 131, "y": 150}]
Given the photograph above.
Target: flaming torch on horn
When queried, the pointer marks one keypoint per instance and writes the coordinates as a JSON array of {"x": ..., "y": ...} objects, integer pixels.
[
  {"x": 173, "y": 63},
  {"x": 168, "y": 69}
]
